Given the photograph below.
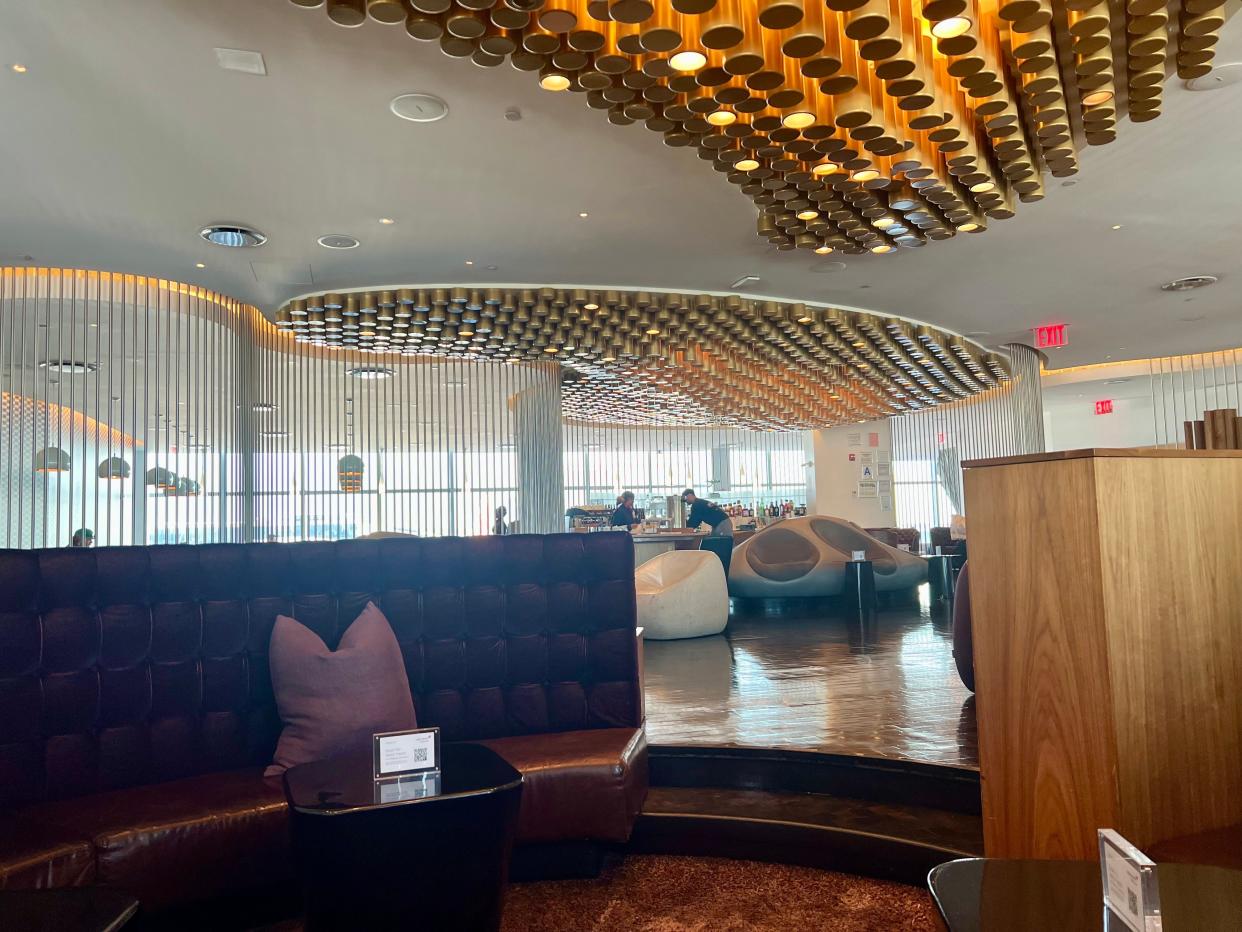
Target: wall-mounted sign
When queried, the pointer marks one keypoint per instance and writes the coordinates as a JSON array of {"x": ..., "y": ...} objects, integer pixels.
[
  {"x": 1051, "y": 336},
  {"x": 1104, "y": 407}
]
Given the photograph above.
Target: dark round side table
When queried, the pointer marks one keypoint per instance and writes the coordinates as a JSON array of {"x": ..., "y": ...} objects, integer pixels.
[
  {"x": 993, "y": 895},
  {"x": 419, "y": 854}
]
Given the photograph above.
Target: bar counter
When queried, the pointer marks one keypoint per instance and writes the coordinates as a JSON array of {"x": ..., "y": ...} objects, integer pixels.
[{"x": 649, "y": 545}]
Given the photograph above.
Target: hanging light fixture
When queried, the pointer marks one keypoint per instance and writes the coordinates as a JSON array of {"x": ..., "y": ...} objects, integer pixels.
[
  {"x": 183, "y": 486},
  {"x": 113, "y": 468},
  {"x": 52, "y": 459},
  {"x": 161, "y": 478},
  {"x": 349, "y": 471}
]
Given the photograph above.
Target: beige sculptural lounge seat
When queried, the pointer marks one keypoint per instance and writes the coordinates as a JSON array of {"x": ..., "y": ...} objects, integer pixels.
[
  {"x": 806, "y": 557},
  {"x": 682, "y": 594}
]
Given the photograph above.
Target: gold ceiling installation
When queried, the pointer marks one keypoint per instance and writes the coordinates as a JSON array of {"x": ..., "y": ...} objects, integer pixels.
[
  {"x": 640, "y": 357},
  {"x": 857, "y": 126}
]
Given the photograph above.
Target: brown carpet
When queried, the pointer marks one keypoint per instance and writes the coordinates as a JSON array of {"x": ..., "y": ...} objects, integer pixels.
[{"x": 679, "y": 894}]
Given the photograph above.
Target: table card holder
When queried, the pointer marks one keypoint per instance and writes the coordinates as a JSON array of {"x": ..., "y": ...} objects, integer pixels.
[
  {"x": 858, "y": 556},
  {"x": 1129, "y": 880},
  {"x": 406, "y": 765}
]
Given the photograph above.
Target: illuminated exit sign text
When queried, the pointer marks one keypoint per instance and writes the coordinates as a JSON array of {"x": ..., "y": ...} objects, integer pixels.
[
  {"x": 1104, "y": 407},
  {"x": 1051, "y": 336}
]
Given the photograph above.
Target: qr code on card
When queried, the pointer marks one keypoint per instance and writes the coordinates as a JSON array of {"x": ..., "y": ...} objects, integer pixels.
[{"x": 420, "y": 755}]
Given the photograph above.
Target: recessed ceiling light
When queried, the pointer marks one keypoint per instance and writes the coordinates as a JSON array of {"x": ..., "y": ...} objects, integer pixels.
[
  {"x": 951, "y": 28},
  {"x": 1116, "y": 226},
  {"x": 799, "y": 119},
  {"x": 823, "y": 250},
  {"x": 590, "y": 306},
  {"x": 808, "y": 214},
  {"x": 1189, "y": 283},
  {"x": 387, "y": 221},
  {"x": 867, "y": 174},
  {"x": 469, "y": 262},
  {"x": 689, "y": 60},
  {"x": 20, "y": 68},
  {"x": 200, "y": 265},
  {"x": 232, "y": 235},
  {"x": 338, "y": 241},
  {"x": 722, "y": 118},
  {"x": 583, "y": 215},
  {"x": 370, "y": 373},
  {"x": 419, "y": 108},
  {"x": 68, "y": 366},
  {"x": 746, "y": 165}
]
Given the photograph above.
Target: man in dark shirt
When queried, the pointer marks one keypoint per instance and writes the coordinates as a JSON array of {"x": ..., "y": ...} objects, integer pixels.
[
  {"x": 702, "y": 511},
  {"x": 623, "y": 514}
]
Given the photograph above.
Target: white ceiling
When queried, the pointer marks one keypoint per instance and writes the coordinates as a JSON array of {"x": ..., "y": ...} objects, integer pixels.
[{"x": 125, "y": 137}]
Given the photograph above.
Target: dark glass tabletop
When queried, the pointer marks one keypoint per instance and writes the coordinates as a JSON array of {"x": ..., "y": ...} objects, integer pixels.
[
  {"x": 986, "y": 895},
  {"x": 345, "y": 783},
  {"x": 65, "y": 909}
]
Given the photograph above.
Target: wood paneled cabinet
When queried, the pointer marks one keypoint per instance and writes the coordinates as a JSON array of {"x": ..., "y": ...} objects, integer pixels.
[{"x": 1106, "y": 588}]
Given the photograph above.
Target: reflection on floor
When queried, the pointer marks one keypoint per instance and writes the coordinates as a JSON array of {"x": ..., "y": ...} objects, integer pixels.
[{"x": 808, "y": 679}]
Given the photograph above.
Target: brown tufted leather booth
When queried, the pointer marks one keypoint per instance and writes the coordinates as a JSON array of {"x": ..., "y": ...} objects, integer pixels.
[{"x": 136, "y": 707}]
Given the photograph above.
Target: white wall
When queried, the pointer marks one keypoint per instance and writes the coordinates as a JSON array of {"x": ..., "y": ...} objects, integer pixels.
[
  {"x": 1072, "y": 424},
  {"x": 834, "y": 489}
]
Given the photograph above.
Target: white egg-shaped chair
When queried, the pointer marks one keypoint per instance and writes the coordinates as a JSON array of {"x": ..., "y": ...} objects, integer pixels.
[{"x": 682, "y": 594}]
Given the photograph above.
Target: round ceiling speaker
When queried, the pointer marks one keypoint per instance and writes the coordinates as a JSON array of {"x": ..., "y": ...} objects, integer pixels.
[
  {"x": 338, "y": 241},
  {"x": 419, "y": 108},
  {"x": 232, "y": 235}
]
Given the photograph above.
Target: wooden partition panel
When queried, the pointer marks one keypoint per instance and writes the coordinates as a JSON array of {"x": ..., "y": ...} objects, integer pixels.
[{"x": 1106, "y": 588}]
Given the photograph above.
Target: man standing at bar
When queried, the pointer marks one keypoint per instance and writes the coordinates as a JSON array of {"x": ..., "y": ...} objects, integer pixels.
[
  {"x": 702, "y": 511},
  {"x": 623, "y": 514}
]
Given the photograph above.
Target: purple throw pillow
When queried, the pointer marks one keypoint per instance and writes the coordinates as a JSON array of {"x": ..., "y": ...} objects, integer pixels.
[{"x": 332, "y": 701}]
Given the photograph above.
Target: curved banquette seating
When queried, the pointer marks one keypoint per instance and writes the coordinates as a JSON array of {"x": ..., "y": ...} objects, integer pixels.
[
  {"x": 963, "y": 632},
  {"x": 137, "y": 715}
]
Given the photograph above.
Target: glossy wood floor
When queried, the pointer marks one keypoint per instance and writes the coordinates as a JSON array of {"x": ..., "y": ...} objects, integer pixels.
[{"x": 805, "y": 678}]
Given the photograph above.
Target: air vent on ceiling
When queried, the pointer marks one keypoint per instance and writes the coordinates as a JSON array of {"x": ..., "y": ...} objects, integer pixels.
[
  {"x": 232, "y": 235},
  {"x": 1189, "y": 283},
  {"x": 241, "y": 60}
]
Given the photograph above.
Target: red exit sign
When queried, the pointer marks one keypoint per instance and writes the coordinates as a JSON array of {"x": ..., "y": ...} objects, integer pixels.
[
  {"x": 1104, "y": 407},
  {"x": 1051, "y": 336}
]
